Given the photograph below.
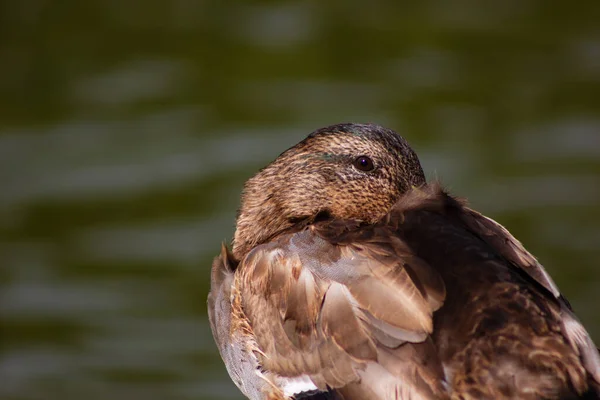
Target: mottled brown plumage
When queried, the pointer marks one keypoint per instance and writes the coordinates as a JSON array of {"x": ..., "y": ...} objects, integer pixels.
[{"x": 357, "y": 280}]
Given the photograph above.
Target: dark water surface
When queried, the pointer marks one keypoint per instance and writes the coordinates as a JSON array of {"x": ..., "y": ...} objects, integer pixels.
[{"x": 128, "y": 128}]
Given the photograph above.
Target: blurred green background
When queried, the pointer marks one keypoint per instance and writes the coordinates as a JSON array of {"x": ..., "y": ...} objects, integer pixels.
[{"x": 127, "y": 129}]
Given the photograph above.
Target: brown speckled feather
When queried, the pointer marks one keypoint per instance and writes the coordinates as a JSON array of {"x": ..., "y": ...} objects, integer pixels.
[{"x": 503, "y": 332}]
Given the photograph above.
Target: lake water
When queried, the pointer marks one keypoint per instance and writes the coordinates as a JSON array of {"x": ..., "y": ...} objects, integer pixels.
[{"x": 127, "y": 130}]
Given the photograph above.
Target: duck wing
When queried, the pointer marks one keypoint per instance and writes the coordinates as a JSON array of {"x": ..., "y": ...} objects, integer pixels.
[
  {"x": 354, "y": 316},
  {"x": 498, "y": 292},
  {"x": 435, "y": 298},
  {"x": 230, "y": 331},
  {"x": 512, "y": 250}
]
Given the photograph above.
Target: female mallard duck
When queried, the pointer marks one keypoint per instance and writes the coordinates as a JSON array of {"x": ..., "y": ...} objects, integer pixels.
[{"x": 352, "y": 278}]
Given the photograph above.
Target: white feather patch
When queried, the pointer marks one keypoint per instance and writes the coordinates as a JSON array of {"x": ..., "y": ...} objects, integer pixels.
[
  {"x": 581, "y": 340},
  {"x": 299, "y": 384}
]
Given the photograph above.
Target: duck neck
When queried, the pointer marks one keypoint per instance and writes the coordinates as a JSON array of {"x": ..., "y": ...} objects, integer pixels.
[{"x": 256, "y": 227}]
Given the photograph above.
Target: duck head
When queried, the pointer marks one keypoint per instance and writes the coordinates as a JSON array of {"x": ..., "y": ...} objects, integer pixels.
[{"x": 345, "y": 171}]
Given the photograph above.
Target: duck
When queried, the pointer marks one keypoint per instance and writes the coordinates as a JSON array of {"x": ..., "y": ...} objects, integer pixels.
[{"x": 352, "y": 277}]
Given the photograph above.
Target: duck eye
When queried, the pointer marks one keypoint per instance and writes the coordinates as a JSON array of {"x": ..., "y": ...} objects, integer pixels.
[{"x": 364, "y": 163}]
